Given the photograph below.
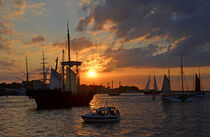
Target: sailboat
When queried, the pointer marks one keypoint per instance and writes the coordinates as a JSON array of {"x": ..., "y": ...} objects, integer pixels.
[
  {"x": 198, "y": 92},
  {"x": 113, "y": 92},
  {"x": 170, "y": 96},
  {"x": 155, "y": 88},
  {"x": 63, "y": 92}
]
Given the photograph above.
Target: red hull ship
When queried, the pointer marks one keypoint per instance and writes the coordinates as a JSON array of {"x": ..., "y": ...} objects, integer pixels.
[{"x": 62, "y": 93}]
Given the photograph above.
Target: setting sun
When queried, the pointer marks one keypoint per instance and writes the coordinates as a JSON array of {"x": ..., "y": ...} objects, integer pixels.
[{"x": 92, "y": 73}]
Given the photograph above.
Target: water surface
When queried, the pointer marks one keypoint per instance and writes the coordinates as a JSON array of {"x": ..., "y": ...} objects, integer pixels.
[{"x": 140, "y": 117}]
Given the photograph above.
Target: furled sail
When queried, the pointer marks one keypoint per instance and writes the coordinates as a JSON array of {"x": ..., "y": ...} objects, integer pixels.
[
  {"x": 70, "y": 81},
  {"x": 73, "y": 82},
  {"x": 55, "y": 80},
  {"x": 148, "y": 84},
  {"x": 155, "y": 84},
  {"x": 166, "y": 85}
]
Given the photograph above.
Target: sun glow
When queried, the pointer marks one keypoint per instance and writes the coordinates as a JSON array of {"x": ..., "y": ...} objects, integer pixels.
[{"x": 92, "y": 73}]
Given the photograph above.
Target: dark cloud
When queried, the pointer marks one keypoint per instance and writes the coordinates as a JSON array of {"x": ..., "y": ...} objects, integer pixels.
[
  {"x": 143, "y": 57},
  {"x": 81, "y": 43},
  {"x": 152, "y": 18},
  {"x": 76, "y": 44},
  {"x": 38, "y": 39},
  {"x": 84, "y": 22}
]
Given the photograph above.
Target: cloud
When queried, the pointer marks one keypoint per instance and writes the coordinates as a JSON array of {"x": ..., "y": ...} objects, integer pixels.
[
  {"x": 186, "y": 25},
  {"x": 38, "y": 39},
  {"x": 143, "y": 57},
  {"x": 8, "y": 65},
  {"x": 1, "y": 2},
  {"x": 4, "y": 28},
  {"x": 4, "y": 43},
  {"x": 12, "y": 9},
  {"x": 37, "y": 8},
  {"x": 79, "y": 44},
  {"x": 5, "y": 64}
]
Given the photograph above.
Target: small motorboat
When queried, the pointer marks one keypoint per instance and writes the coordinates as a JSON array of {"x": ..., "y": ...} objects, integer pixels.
[{"x": 103, "y": 114}]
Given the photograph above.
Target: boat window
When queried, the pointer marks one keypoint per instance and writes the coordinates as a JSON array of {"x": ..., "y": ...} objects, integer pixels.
[
  {"x": 113, "y": 112},
  {"x": 101, "y": 112}
]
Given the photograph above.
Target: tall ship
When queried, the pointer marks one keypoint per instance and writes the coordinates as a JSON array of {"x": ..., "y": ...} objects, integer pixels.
[
  {"x": 155, "y": 87},
  {"x": 169, "y": 95},
  {"x": 64, "y": 90}
]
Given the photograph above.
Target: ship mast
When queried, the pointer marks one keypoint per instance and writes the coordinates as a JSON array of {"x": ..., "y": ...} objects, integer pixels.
[
  {"x": 43, "y": 66},
  {"x": 69, "y": 63},
  {"x": 169, "y": 76},
  {"x": 56, "y": 65},
  {"x": 68, "y": 36},
  {"x": 27, "y": 80},
  {"x": 63, "y": 70},
  {"x": 182, "y": 77}
]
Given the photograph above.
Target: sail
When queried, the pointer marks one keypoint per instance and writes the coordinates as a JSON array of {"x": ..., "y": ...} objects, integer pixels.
[
  {"x": 55, "y": 80},
  {"x": 71, "y": 81},
  {"x": 68, "y": 79},
  {"x": 197, "y": 83},
  {"x": 166, "y": 85},
  {"x": 148, "y": 84},
  {"x": 155, "y": 84}
]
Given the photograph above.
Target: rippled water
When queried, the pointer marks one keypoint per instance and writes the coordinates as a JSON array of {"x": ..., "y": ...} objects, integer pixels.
[{"x": 140, "y": 117}]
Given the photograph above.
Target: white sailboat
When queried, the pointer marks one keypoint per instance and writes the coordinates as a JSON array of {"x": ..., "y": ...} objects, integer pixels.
[
  {"x": 155, "y": 87},
  {"x": 169, "y": 96}
]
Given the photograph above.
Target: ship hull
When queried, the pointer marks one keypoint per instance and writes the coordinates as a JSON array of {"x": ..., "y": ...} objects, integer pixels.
[
  {"x": 49, "y": 99},
  {"x": 199, "y": 94},
  {"x": 177, "y": 98}
]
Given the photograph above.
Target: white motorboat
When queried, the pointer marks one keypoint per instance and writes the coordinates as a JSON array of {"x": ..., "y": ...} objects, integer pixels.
[{"x": 103, "y": 114}]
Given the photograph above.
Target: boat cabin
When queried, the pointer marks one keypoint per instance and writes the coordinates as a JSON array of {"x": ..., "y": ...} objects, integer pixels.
[{"x": 106, "y": 111}]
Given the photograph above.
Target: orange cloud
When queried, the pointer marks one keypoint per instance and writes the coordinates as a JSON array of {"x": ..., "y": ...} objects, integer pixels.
[
  {"x": 16, "y": 8},
  {"x": 4, "y": 43},
  {"x": 5, "y": 29},
  {"x": 173, "y": 45}
]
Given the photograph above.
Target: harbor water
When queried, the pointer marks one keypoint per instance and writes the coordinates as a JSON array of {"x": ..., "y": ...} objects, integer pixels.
[{"x": 140, "y": 116}]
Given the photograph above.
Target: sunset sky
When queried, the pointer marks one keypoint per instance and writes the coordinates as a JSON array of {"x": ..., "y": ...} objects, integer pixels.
[{"x": 120, "y": 40}]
